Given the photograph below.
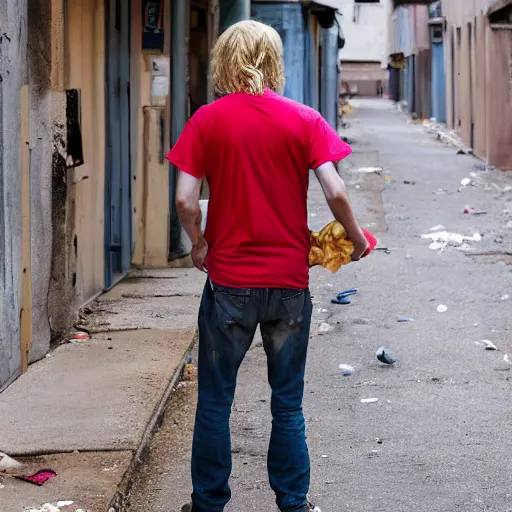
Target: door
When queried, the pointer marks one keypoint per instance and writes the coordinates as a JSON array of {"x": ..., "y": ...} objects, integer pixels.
[
  {"x": 438, "y": 82},
  {"x": 118, "y": 232}
]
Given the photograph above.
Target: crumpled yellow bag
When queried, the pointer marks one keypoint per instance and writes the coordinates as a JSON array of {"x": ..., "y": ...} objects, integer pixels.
[{"x": 331, "y": 249}]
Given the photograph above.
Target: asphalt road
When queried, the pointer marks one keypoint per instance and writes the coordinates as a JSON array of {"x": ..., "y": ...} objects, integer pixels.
[{"x": 438, "y": 437}]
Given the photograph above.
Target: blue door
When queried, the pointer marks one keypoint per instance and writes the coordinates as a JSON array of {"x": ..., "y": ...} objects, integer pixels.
[
  {"x": 438, "y": 82},
  {"x": 288, "y": 20},
  {"x": 411, "y": 84},
  {"x": 118, "y": 231}
]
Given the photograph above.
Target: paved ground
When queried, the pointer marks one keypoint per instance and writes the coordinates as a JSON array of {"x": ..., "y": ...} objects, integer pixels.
[
  {"x": 90, "y": 408},
  {"x": 438, "y": 438}
]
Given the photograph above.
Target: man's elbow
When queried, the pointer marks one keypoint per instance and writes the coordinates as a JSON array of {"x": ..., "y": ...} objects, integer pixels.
[
  {"x": 338, "y": 193},
  {"x": 182, "y": 205}
]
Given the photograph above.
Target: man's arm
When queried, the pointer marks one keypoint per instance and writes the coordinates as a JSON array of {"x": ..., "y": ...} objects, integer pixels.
[
  {"x": 188, "y": 192},
  {"x": 339, "y": 203}
]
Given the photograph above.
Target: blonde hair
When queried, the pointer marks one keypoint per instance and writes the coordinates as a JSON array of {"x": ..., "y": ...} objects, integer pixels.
[{"x": 248, "y": 57}]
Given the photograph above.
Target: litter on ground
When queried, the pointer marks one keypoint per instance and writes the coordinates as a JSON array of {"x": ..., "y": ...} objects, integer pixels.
[
  {"x": 489, "y": 345},
  {"x": 369, "y": 400},
  {"x": 441, "y": 239},
  {"x": 7, "y": 463},
  {"x": 370, "y": 170},
  {"x": 384, "y": 356},
  {"x": 39, "y": 478},
  {"x": 346, "y": 369},
  {"x": 442, "y": 308},
  {"x": 324, "y": 328}
]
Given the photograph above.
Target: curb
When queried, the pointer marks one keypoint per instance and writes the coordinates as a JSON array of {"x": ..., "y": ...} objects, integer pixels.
[{"x": 120, "y": 499}]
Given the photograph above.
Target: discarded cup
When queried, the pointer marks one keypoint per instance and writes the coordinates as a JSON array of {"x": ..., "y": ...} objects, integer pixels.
[
  {"x": 346, "y": 369},
  {"x": 384, "y": 356},
  {"x": 442, "y": 308}
]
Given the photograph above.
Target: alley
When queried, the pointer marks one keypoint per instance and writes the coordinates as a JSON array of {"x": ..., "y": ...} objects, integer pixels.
[{"x": 437, "y": 439}]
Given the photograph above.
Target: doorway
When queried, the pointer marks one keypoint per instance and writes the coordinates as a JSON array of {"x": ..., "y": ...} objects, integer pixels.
[{"x": 118, "y": 221}]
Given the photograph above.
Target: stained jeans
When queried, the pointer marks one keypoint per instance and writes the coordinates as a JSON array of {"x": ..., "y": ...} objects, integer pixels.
[{"x": 228, "y": 319}]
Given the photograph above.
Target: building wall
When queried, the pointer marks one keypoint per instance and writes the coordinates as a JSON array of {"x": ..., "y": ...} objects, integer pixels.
[
  {"x": 409, "y": 32},
  {"x": 499, "y": 98},
  {"x": 366, "y": 31},
  {"x": 44, "y": 114},
  {"x": 459, "y": 11},
  {"x": 13, "y": 73},
  {"x": 78, "y": 193},
  {"x": 479, "y": 102}
]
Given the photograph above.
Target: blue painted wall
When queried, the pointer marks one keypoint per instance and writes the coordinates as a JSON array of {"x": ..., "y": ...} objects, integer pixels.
[
  {"x": 329, "y": 85},
  {"x": 288, "y": 20}
]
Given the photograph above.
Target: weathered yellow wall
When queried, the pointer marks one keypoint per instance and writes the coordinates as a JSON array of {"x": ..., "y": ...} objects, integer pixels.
[{"x": 85, "y": 56}]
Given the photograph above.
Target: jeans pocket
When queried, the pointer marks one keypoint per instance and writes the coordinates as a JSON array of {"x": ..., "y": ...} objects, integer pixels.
[
  {"x": 293, "y": 302},
  {"x": 232, "y": 305},
  {"x": 239, "y": 297}
]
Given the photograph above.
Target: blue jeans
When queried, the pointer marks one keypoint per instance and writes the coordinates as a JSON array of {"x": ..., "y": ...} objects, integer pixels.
[{"x": 228, "y": 319}]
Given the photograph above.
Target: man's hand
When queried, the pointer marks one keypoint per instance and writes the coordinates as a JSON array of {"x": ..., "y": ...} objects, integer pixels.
[
  {"x": 199, "y": 253},
  {"x": 361, "y": 245}
]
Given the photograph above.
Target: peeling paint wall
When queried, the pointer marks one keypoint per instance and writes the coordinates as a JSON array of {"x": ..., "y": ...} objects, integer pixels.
[
  {"x": 39, "y": 73},
  {"x": 13, "y": 33},
  {"x": 78, "y": 193}
]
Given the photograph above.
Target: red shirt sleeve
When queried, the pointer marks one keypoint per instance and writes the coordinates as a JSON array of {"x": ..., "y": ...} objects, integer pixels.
[
  {"x": 325, "y": 145},
  {"x": 188, "y": 152}
]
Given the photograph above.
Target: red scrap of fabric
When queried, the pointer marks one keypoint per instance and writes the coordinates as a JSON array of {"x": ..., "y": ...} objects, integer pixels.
[
  {"x": 371, "y": 240},
  {"x": 38, "y": 478}
]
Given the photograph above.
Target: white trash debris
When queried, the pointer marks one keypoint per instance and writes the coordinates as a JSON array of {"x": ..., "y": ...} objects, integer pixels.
[
  {"x": 324, "y": 328},
  {"x": 7, "y": 463},
  {"x": 505, "y": 297},
  {"x": 346, "y": 369},
  {"x": 489, "y": 345},
  {"x": 507, "y": 359},
  {"x": 437, "y": 246},
  {"x": 439, "y": 227},
  {"x": 441, "y": 239},
  {"x": 369, "y": 400},
  {"x": 465, "y": 182},
  {"x": 47, "y": 507},
  {"x": 442, "y": 308},
  {"x": 370, "y": 170}
]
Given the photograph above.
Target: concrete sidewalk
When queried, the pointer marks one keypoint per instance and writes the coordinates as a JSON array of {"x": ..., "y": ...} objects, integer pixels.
[{"x": 89, "y": 410}]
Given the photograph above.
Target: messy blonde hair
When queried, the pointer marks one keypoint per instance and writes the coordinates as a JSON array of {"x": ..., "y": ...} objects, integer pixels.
[{"x": 248, "y": 57}]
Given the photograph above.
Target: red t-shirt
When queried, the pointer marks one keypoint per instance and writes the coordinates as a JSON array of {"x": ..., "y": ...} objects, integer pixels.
[{"x": 256, "y": 153}]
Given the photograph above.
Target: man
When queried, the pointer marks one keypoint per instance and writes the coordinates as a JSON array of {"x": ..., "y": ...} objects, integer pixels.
[{"x": 255, "y": 148}]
